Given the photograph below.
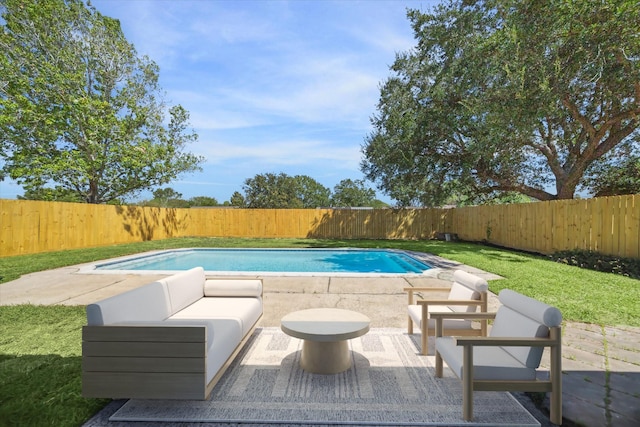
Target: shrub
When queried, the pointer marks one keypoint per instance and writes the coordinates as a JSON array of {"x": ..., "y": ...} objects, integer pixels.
[{"x": 629, "y": 267}]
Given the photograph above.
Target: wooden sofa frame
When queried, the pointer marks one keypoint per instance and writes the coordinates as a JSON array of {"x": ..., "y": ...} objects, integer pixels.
[{"x": 153, "y": 362}]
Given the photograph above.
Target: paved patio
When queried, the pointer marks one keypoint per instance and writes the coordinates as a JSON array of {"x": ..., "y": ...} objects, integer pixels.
[{"x": 601, "y": 383}]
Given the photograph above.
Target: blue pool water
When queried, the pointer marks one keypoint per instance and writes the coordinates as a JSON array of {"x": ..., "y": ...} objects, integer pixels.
[{"x": 275, "y": 260}]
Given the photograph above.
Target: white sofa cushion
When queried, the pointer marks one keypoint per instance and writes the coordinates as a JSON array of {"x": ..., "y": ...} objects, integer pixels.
[
  {"x": 233, "y": 288},
  {"x": 227, "y": 334},
  {"x": 489, "y": 363},
  {"x": 185, "y": 288},
  {"x": 244, "y": 311},
  {"x": 146, "y": 303}
]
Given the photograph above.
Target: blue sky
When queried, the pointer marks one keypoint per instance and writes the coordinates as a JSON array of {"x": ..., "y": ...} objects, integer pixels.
[{"x": 271, "y": 86}]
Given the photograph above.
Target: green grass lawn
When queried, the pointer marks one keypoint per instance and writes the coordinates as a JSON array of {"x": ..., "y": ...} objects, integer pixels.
[
  {"x": 40, "y": 347},
  {"x": 40, "y": 365}
]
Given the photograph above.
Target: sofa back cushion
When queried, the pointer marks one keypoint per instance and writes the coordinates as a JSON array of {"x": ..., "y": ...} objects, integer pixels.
[
  {"x": 524, "y": 317},
  {"x": 233, "y": 288},
  {"x": 185, "y": 288},
  {"x": 146, "y": 303},
  {"x": 466, "y": 286}
]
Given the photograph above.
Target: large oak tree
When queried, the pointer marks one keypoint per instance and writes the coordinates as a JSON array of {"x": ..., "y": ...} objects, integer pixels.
[
  {"x": 80, "y": 111},
  {"x": 503, "y": 96}
]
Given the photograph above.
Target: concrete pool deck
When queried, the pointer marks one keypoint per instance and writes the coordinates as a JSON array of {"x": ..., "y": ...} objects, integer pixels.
[{"x": 601, "y": 365}]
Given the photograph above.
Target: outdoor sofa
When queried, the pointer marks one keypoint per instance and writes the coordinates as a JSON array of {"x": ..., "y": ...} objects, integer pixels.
[{"x": 170, "y": 339}]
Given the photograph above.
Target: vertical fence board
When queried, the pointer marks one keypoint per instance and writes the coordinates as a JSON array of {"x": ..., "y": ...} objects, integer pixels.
[
  {"x": 632, "y": 226},
  {"x": 6, "y": 228},
  {"x": 607, "y": 224}
]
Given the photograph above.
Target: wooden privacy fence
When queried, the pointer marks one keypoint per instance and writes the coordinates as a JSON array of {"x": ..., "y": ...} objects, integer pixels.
[{"x": 610, "y": 225}]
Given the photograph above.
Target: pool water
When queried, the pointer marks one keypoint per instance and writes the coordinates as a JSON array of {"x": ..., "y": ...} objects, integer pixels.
[{"x": 275, "y": 260}]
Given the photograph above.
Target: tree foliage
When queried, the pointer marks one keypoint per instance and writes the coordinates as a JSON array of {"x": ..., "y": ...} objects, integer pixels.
[
  {"x": 311, "y": 192},
  {"x": 237, "y": 199},
  {"x": 79, "y": 109},
  {"x": 284, "y": 191},
  {"x": 202, "y": 201},
  {"x": 352, "y": 193},
  {"x": 619, "y": 178},
  {"x": 57, "y": 194},
  {"x": 508, "y": 96},
  {"x": 166, "y": 198}
]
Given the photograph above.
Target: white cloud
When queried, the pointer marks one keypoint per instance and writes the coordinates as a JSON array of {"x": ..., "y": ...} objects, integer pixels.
[{"x": 278, "y": 153}]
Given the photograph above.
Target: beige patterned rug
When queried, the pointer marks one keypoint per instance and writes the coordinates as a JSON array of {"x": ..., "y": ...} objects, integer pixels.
[{"x": 388, "y": 384}]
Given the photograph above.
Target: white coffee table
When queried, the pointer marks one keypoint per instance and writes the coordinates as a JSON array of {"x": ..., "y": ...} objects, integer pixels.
[{"x": 325, "y": 331}]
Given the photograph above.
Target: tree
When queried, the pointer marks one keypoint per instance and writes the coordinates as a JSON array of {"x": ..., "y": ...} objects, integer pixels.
[
  {"x": 56, "y": 194},
  {"x": 284, "y": 191},
  {"x": 350, "y": 193},
  {"x": 203, "y": 201},
  {"x": 237, "y": 199},
  {"x": 507, "y": 96},
  {"x": 167, "y": 198},
  {"x": 311, "y": 192},
  {"x": 619, "y": 178},
  {"x": 271, "y": 191},
  {"x": 79, "y": 109}
]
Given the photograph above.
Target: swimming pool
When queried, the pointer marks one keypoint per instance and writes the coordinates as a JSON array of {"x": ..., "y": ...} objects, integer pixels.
[{"x": 271, "y": 261}]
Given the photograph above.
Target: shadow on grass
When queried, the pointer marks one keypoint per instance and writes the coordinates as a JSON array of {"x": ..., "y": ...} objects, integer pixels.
[{"x": 41, "y": 390}]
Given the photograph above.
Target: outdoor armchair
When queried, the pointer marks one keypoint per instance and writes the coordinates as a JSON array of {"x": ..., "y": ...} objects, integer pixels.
[
  {"x": 466, "y": 294},
  {"x": 507, "y": 359}
]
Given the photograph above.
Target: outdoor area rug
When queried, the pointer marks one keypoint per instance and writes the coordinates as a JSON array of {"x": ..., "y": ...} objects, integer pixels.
[{"x": 388, "y": 384}]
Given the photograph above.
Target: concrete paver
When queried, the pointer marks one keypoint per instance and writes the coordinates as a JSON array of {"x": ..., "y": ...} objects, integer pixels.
[{"x": 601, "y": 365}]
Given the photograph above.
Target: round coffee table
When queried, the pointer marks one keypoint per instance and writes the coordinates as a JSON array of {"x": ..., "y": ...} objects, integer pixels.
[{"x": 325, "y": 332}]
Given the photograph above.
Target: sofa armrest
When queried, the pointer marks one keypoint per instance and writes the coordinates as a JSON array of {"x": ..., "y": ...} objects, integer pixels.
[
  {"x": 144, "y": 361},
  {"x": 145, "y": 331}
]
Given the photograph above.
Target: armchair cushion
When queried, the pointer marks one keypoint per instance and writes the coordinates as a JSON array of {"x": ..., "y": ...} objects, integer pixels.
[
  {"x": 415, "y": 312},
  {"x": 489, "y": 363},
  {"x": 521, "y": 316},
  {"x": 466, "y": 286},
  {"x": 532, "y": 308}
]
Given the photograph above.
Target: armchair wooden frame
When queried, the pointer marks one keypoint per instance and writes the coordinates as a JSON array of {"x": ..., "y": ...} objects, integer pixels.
[
  {"x": 469, "y": 385},
  {"x": 425, "y": 303}
]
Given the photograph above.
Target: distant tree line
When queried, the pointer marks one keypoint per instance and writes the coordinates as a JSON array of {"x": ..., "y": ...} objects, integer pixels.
[
  {"x": 274, "y": 191},
  {"x": 270, "y": 191}
]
